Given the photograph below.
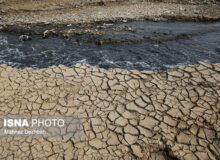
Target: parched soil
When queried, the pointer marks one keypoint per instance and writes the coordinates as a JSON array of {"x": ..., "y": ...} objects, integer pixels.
[{"x": 173, "y": 114}]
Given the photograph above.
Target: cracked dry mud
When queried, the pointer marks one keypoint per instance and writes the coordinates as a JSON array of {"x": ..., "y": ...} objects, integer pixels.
[{"x": 172, "y": 114}]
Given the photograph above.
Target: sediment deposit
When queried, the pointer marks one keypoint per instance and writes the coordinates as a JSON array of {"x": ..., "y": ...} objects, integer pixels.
[
  {"x": 172, "y": 114},
  {"x": 28, "y": 12}
]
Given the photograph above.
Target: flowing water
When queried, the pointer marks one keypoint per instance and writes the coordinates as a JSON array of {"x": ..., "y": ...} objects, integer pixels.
[{"x": 152, "y": 45}]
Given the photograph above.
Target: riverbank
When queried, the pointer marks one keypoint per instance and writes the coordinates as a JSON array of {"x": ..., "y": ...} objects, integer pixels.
[{"x": 30, "y": 14}]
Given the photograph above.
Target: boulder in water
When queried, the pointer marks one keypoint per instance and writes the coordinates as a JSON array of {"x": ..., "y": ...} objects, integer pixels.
[
  {"x": 49, "y": 32},
  {"x": 24, "y": 38}
]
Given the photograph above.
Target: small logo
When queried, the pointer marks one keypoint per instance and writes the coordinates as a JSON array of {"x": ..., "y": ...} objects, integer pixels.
[{"x": 42, "y": 125}]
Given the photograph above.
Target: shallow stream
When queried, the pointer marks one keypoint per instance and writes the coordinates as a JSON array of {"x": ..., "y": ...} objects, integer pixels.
[{"x": 153, "y": 45}]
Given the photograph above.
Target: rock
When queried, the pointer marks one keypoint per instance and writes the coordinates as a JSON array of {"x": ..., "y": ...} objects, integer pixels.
[
  {"x": 108, "y": 24},
  {"x": 101, "y": 3},
  {"x": 99, "y": 42},
  {"x": 49, "y": 32},
  {"x": 195, "y": 11},
  {"x": 24, "y": 38}
]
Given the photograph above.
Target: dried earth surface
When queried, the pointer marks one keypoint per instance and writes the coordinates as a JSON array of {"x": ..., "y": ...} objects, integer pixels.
[{"x": 174, "y": 114}]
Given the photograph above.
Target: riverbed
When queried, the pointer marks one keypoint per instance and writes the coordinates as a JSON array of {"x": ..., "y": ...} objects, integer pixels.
[{"x": 146, "y": 46}]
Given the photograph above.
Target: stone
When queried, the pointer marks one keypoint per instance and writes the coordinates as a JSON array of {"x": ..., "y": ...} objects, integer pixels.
[{"x": 24, "y": 38}]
